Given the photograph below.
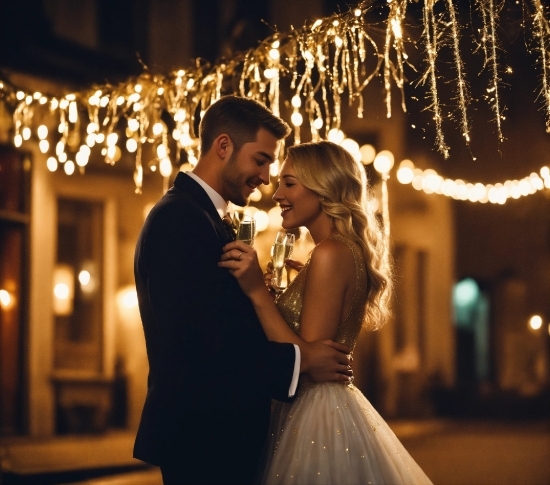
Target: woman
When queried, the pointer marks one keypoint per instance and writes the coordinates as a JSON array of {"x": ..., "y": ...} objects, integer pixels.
[{"x": 330, "y": 434}]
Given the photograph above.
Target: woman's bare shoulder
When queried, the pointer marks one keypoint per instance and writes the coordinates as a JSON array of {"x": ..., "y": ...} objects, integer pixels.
[{"x": 332, "y": 254}]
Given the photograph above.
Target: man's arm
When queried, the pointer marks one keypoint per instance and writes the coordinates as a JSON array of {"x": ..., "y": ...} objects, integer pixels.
[{"x": 210, "y": 336}]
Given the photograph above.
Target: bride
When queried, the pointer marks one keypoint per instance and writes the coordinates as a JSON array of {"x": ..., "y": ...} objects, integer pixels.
[{"x": 330, "y": 433}]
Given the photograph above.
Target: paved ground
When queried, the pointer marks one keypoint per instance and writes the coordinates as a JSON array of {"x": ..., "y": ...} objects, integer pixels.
[
  {"x": 450, "y": 452},
  {"x": 484, "y": 453}
]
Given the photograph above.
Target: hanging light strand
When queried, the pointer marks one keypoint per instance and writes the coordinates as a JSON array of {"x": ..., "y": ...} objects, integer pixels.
[
  {"x": 431, "y": 40},
  {"x": 431, "y": 182},
  {"x": 462, "y": 86},
  {"x": 322, "y": 63},
  {"x": 541, "y": 33}
]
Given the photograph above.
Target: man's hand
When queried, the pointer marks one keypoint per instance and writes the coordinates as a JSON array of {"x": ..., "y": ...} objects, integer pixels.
[{"x": 326, "y": 361}]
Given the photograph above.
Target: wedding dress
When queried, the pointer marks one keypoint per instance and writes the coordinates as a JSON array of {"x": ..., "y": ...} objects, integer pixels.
[{"x": 330, "y": 433}]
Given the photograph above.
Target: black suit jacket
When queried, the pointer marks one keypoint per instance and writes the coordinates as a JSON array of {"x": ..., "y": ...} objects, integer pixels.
[{"x": 212, "y": 371}]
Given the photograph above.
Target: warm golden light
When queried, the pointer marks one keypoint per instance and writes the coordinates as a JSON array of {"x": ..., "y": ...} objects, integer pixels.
[
  {"x": 535, "y": 322},
  {"x": 84, "y": 277},
  {"x": 44, "y": 146},
  {"x": 42, "y": 131},
  {"x": 262, "y": 220},
  {"x": 69, "y": 167},
  {"x": 383, "y": 162},
  {"x": 63, "y": 289},
  {"x": 5, "y": 299},
  {"x": 256, "y": 196},
  {"x": 352, "y": 147},
  {"x": 368, "y": 152},
  {"x": 303, "y": 53},
  {"x": 405, "y": 172},
  {"x": 296, "y": 119},
  {"x": 165, "y": 167},
  {"x": 51, "y": 164},
  {"x": 336, "y": 136}
]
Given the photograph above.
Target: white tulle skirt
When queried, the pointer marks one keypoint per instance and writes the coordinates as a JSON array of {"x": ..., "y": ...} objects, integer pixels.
[{"x": 331, "y": 434}]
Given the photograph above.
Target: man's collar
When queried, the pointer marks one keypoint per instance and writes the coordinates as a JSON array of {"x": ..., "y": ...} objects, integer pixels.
[{"x": 219, "y": 203}]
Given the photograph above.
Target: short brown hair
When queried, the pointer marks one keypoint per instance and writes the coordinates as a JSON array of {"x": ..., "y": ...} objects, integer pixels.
[{"x": 241, "y": 119}]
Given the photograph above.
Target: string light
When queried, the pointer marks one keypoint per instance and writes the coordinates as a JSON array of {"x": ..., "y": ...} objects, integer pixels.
[
  {"x": 431, "y": 182},
  {"x": 322, "y": 62}
]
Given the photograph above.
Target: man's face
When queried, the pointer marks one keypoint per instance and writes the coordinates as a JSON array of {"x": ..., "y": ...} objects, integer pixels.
[{"x": 247, "y": 169}]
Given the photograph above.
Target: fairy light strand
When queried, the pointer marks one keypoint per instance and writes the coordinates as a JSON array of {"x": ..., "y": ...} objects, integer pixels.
[
  {"x": 324, "y": 62},
  {"x": 462, "y": 86},
  {"x": 431, "y": 37},
  {"x": 432, "y": 182},
  {"x": 493, "y": 13},
  {"x": 542, "y": 33}
]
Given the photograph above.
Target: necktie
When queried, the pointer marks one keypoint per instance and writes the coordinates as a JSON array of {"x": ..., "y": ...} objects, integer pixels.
[{"x": 228, "y": 224}]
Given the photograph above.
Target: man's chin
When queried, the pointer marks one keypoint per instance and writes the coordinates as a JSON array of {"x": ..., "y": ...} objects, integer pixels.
[{"x": 240, "y": 201}]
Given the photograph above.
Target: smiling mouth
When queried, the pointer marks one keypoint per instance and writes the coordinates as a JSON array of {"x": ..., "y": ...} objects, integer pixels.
[{"x": 286, "y": 208}]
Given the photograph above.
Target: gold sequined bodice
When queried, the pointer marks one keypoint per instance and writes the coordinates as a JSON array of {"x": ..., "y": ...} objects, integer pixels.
[{"x": 290, "y": 301}]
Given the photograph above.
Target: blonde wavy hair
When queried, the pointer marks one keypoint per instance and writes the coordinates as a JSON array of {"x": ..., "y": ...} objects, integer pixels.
[{"x": 330, "y": 171}]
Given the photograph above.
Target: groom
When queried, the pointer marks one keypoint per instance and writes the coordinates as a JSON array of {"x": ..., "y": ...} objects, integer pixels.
[{"x": 212, "y": 371}]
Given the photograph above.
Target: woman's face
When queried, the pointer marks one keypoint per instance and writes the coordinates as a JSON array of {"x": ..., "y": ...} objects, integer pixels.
[{"x": 300, "y": 206}]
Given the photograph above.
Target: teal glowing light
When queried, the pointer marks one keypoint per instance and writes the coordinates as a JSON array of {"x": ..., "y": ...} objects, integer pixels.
[{"x": 465, "y": 293}]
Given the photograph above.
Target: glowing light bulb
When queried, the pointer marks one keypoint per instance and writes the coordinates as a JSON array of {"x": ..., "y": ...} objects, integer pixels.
[
  {"x": 162, "y": 151},
  {"x": 42, "y": 131},
  {"x": 296, "y": 119},
  {"x": 158, "y": 128},
  {"x": 51, "y": 164},
  {"x": 383, "y": 162},
  {"x": 112, "y": 138},
  {"x": 165, "y": 167},
  {"x": 336, "y": 136},
  {"x": 274, "y": 54},
  {"x": 269, "y": 73},
  {"x": 352, "y": 147},
  {"x": 405, "y": 173},
  {"x": 368, "y": 152},
  {"x": 73, "y": 112},
  {"x": 133, "y": 124},
  {"x": 131, "y": 145},
  {"x": 535, "y": 322},
  {"x": 318, "y": 123},
  {"x": 69, "y": 167},
  {"x": 61, "y": 291},
  {"x": 296, "y": 101},
  {"x": 81, "y": 159},
  {"x": 5, "y": 299}
]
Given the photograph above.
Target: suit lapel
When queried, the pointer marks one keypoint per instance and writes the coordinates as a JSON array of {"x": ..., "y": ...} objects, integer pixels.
[{"x": 187, "y": 185}]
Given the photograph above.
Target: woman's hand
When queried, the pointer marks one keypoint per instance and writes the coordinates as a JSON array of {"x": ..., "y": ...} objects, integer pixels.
[
  {"x": 293, "y": 264},
  {"x": 242, "y": 262}
]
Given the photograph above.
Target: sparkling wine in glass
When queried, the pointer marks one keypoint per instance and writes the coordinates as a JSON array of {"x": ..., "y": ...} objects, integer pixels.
[
  {"x": 247, "y": 230},
  {"x": 282, "y": 249}
]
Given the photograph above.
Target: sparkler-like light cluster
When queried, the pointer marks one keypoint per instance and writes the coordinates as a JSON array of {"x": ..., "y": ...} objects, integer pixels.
[{"x": 316, "y": 68}]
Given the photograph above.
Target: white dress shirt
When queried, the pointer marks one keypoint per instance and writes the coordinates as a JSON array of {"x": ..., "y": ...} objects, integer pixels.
[{"x": 221, "y": 206}]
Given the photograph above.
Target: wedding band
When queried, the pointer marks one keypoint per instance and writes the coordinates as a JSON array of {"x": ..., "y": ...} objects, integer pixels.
[{"x": 240, "y": 254}]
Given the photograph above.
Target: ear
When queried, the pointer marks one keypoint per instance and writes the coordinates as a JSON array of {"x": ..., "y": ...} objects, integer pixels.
[{"x": 223, "y": 146}]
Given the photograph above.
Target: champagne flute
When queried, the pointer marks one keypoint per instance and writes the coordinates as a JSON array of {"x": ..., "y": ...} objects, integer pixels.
[
  {"x": 281, "y": 250},
  {"x": 247, "y": 230}
]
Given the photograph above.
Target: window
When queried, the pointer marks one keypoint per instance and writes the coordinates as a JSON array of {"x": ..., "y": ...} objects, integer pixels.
[{"x": 14, "y": 226}]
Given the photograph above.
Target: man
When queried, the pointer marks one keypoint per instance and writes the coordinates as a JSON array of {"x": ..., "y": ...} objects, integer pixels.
[{"x": 212, "y": 371}]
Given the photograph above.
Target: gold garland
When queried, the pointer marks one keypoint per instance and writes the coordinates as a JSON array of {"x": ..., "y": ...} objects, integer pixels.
[{"x": 327, "y": 60}]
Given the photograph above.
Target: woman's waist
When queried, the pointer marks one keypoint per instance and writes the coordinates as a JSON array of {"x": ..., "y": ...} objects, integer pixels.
[{"x": 307, "y": 383}]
